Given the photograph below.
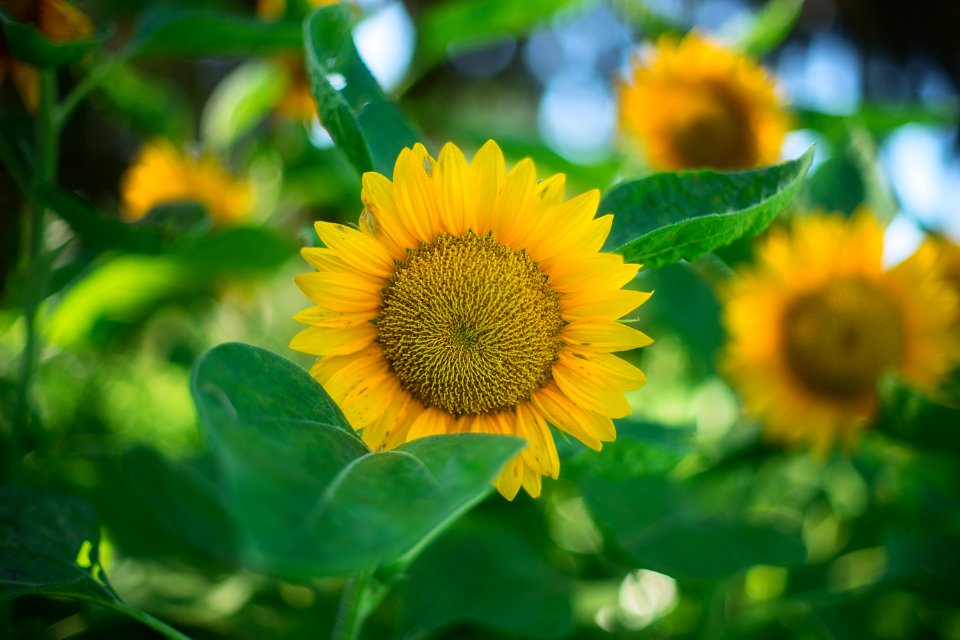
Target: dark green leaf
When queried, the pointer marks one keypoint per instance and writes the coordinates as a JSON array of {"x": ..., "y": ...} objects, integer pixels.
[
  {"x": 502, "y": 582},
  {"x": 185, "y": 497},
  {"x": 235, "y": 250},
  {"x": 666, "y": 217},
  {"x": 149, "y": 105},
  {"x": 27, "y": 45},
  {"x": 366, "y": 126},
  {"x": 465, "y": 23},
  {"x": 836, "y": 185},
  {"x": 770, "y": 27},
  {"x": 655, "y": 523},
  {"x": 641, "y": 448},
  {"x": 49, "y": 543},
  {"x": 97, "y": 230},
  {"x": 193, "y": 33}
]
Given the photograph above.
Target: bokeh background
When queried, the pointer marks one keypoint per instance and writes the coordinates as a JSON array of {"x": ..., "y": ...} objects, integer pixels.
[{"x": 873, "y": 84}]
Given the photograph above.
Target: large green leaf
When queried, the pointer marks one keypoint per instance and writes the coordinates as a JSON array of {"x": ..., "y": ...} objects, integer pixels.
[
  {"x": 50, "y": 545},
  {"x": 307, "y": 495},
  {"x": 656, "y": 524},
  {"x": 28, "y": 45},
  {"x": 366, "y": 126},
  {"x": 666, "y": 217},
  {"x": 176, "y": 33},
  {"x": 502, "y": 582}
]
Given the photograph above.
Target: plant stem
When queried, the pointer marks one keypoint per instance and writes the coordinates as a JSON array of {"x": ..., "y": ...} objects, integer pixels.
[
  {"x": 48, "y": 143},
  {"x": 100, "y": 72},
  {"x": 351, "y": 613},
  {"x": 150, "y": 621}
]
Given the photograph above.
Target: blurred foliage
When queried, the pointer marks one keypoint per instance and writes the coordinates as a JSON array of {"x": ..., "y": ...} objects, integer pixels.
[{"x": 225, "y": 495}]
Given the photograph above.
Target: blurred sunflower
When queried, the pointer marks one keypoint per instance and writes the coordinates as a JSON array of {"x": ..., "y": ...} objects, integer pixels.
[
  {"x": 696, "y": 104},
  {"x": 473, "y": 300},
  {"x": 163, "y": 174},
  {"x": 55, "y": 20},
  {"x": 816, "y": 324}
]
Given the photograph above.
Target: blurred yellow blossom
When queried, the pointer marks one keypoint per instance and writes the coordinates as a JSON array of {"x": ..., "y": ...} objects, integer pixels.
[
  {"x": 165, "y": 174},
  {"x": 819, "y": 320},
  {"x": 695, "y": 104}
]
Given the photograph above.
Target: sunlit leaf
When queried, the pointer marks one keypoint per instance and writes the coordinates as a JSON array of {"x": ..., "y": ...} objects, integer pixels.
[
  {"x": 309, "y": 498},
  {"x": 241, "y": 100},
  {"x": 367, "y": 127},
  {"x": 27, "y": 45},
  {"x": 666, "y": 217},
  {"x": 771, "y": 26},
  {"x": 191, "y": 33}
]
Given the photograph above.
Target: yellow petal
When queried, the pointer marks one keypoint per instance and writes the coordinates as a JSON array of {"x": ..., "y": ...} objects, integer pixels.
[
  {"x": 487, "y": 174},
  {"x": 452, "y": 178},
  {"x": 588, "y": 387},
  {"x": 323, "y": 341},
  {"x": 356, "y": 249},
  {"x": 604, "y": 335}
]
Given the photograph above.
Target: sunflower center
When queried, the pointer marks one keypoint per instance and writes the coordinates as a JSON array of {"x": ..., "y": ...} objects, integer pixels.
[
  {"x": 839, "y": 339},
  {"x": 714, "y": 132},
  {"x": 469, "y": 325}
]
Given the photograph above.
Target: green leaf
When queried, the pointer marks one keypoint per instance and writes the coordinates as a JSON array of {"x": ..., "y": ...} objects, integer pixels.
[
  {"x": 308, "y": 496},
  {"x": 41, "y": 539},
  {"x": 653, "y": 24},
  {"x": 641, "y": 448},
  {"x": 234, "y": 250},
  {"x": 247, "y": 382},
  {"x": 185, "y": 497},
  {"x": 771, "y": 26},
  {"x": 655, "y": 523},
  {"x": 367, "y": 127},
  {"x": 836, "y": 185},
  {"x": 241, "y": 100},
  {"x": 28, "y": 45},
  {"x": 149, "y": 105},
  {"x": 194, "y": 33},
  {"x": 98, "y": 231},
  {"x": 502, "y": 582},
  {"x": 466, "y": 23},
  {"x": 666, "y": 217}
]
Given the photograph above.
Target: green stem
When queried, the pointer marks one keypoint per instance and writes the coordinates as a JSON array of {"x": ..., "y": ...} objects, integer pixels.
[
  {"x": 150, "y": 621},
  {"x": 352, "y": 610},
  {"x": 83, "y": 88},
  {"x": 48, "y": 140}
]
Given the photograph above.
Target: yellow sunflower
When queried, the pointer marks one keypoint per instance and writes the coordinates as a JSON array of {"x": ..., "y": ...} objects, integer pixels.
[
  {"x": 817, "y": 322},
  {"x": 697, "y": 104},
  {"x": 164, "y": 174},
  {"x": 472, "y": 300},
  {"x": 56, "y": 20}
]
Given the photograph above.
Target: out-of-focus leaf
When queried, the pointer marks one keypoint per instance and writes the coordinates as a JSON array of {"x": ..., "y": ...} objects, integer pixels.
[
  {"x": 466, "y": 23},
  {"x": 308, "y": 496},
  {"x": 502, "y": 582},
  {"x": 836, "y": 185},
  {"x": 49, "y": 543},
  {"x": 178, "y": 33},
  {"x": 655, "y": 523},
  {"x": 98, "y": 231},
  {"x": 27, "y": 45},
  {"x": 653, "y": 24},
  {"x": 118, "y": 288},
  {"x": 234, "y": 250},
  {"x": 241, "y": 100},
  {"x": 878, "y": 119},
  {"x": 666, "y": 217},
  {"x": 148, "y": 104},
  {"x": 184, "y": 498},
  {"x": 771, "y": 26},
  {"x": 641, "y": 448},
  {"x": 367, "y": 127}
]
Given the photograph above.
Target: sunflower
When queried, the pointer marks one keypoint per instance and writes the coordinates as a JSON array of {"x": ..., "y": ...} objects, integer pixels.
[
  {"x": 472, "y": 300},
  {"x": 696, "y": 104},
  {"x": 818, "y": 321},
  {"x": 163, "y": 174},
  {"x": 55, "y": 20}
]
